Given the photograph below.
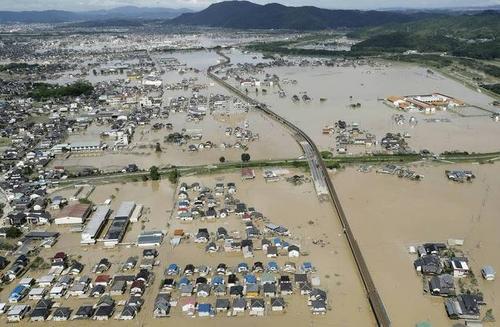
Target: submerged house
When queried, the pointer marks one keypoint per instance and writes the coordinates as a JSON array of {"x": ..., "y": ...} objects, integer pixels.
[
  {"x": 428, "y": 265},
  {"x": 464, "y": 306},
  {"x": 442, "y": 285}
]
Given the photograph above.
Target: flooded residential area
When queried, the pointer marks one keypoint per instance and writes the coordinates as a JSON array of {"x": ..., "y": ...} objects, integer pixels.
[{"x": 195, "y": 166}]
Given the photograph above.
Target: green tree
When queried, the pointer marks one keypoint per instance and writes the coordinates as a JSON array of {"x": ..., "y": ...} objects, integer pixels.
[
  {"x": 222, "y": 159},
  {"x": 153, "y": 173},
  {"x": 245, "y": 157},
  {"x": 173, "y": 176},
  {"x": 13, "y": 232}
]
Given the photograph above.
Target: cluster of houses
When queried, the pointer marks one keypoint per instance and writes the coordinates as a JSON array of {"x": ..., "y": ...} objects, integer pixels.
[
  {"x": 220, "y": 203},
  {"x": 253, "y": 289},
  {"x": 442, "y": 270},
  {"x": 65, "y": 279},
  {"x": 401, "y": 172},
  {"x": 349, "y": 135},
  {"x": 460, "y": 176},
  {"x": 395, "y": 142}
]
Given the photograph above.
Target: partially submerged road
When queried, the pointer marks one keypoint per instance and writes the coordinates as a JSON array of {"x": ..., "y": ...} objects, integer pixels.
[{"x": 323, "y": 186}]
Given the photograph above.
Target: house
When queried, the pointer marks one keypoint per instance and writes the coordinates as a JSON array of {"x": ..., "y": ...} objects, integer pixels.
[
  {"x": 172, "y": 269},
  {"x": 37, "y": 293},
  {"x": 267, "y": 278},
  {"x": 317, "y": 294},
  {"x": 239, "y": 305},
  {"x": 257, "y": 307},
  {"x": 464, "y": 306},
  {"x": 236, "y": 291},
  {"x": 442, "y": 285},
  {"x": 318, "y": 307},
  {"x": 217, "y": 280},
  {"x": 460, "y": 267},
  {"x": 221, "y": 268},
  {"x": 203, "y": 290},
  {"x": 488, "y": 273},
  {"x": 428, "y": 265},
  {"x": 269, "y": 290},
  {"x": 61, "y": 314},
  {"x": 78, "y": 289},
  {"x": 222, "y": 305},
  {"x": 76, "y": 268},
  {"x": 204, "y": 310},
  {"x": 300, "y": 278},
  {"x": 128, "y": 312},
  {"x": 103, "y": 280},
  {"x": 168, "y": 284},
  {"x": 118, "y": 287},
  {"x": 97, "y": 290},
  {"x": 306, "y": 267},
  {"x": 130, "y": 263},
  {"x": 272, "y": 266},
  {"x": 232, "y": 280},
  {"x": 57, "y": 292},
  {"x": 186, "y": 290},
  {"x": 305, "y": 288},
  {"x": 203, "y": 236},
  {"x": 277, "y": 304},
  {"x": 17, "y": 312},
  {"x": 150, "y": 253},
  {"x": 257, "y": 267},
  {"x": 162, "y": 305},
  {"x": 293, "y": 251},
  {"x": 18, "y": 293},
  {"x": 135, "y": 301},
  {"x": 219, "y": 290},
  {"x": 247, "y": 173},
  {"x": 242, "y": 267},
  {"x": 211, "y": 247},
  {"x": 105, "y": 308},
  {"x": 39, "y": 314},
  {"x": 272, "y": 251},
  {"x": 138, "y": 287},
  {"x": 286, "y": 288},
  {"x": 41, "y": 311},
  {"x": 103, "y": 265},
  {"x": 84, "y": 312},
  {"x": 251, "y": 290},
  {"x": 188, "y": 305}
]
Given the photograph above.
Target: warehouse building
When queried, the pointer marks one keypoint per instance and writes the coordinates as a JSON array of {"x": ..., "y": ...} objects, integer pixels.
[{"x": 96, "y": 224}]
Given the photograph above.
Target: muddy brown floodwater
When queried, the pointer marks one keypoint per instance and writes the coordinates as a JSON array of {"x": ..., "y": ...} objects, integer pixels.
[
  {"x": 388, "y": 214},
  {"x": 368, "y": 83}
]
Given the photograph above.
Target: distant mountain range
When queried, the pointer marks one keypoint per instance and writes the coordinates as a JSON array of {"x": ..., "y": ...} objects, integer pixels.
[
  {"x": 61, "y": 16},
  {"x": 248, "y": 15},
  {"x": 229, "y": 14}
]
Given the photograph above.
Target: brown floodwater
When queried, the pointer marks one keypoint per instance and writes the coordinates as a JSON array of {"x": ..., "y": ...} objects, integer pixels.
[{"x": 389, "y": 214}]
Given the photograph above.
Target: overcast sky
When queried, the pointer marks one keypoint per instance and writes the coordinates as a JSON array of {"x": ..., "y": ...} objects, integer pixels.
[{"x": 200, "y": 4}]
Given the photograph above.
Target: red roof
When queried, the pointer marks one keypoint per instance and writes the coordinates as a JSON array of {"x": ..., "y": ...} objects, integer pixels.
[{"x": 102, "y": 279}]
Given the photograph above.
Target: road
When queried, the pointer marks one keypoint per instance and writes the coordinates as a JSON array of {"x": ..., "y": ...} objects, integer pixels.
[{"x": 321, "y": 179}]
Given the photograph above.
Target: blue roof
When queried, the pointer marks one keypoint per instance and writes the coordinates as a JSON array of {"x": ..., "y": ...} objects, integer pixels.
[
  {"x": 184, "y": 281},
  {"x": 250, "y": 279},
  {"x": 18, "y": 290},
  {"x": 204, "y": 307},
  {"x": 173, "y": 266},
  {"x": 307, "y": 265},
  {"x": 272, "y": 264},
  {"x": 243, "y": 264},
  {"x": 218, "y": 280}
]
